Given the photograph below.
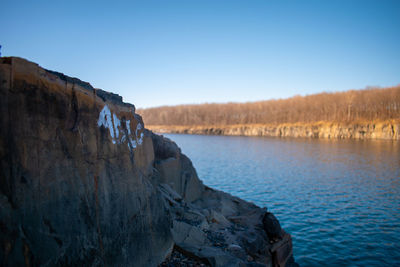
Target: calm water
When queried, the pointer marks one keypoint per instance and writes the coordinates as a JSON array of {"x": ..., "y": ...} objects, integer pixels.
[{"x": 340, "y": 199}]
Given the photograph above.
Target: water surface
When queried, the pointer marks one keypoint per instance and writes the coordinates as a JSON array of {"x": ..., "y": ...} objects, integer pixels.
[{"x": 339, "y": 199}]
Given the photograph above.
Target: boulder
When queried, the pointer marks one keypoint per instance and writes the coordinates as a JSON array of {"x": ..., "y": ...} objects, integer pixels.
[{"x": 272, "y": 226}]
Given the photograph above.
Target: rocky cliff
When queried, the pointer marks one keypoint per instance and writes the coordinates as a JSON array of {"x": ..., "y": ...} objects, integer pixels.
[
  {"x": 83, "y": 183},
  {"x": 388, "y": 130}
]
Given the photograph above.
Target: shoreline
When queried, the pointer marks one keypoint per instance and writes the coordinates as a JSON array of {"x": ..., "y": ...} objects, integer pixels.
[{"x": 386, "y": 130}]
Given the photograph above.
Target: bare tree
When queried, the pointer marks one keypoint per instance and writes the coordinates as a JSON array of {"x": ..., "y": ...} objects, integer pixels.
[{"x": 356, "y": 105}]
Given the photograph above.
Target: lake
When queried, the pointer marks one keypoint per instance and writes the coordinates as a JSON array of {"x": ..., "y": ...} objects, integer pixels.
[{"x": 339, "y": 199}]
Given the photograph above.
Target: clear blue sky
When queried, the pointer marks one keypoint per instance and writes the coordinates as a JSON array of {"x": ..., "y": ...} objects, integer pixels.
[{"x": 173, "y": 52}]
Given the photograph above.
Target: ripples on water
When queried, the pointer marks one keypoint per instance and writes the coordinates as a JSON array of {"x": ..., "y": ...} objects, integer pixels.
[{"x": 340, "y": 199}]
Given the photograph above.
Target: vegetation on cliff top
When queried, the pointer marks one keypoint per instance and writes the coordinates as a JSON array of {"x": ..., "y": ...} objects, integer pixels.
[{"x": 372, "y": 104}]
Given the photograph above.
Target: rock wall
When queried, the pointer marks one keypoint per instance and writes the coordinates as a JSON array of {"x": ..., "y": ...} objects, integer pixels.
[
  {"x": 75, "y": 175},
  {"x": 380, "y": 130},
  {"x": 82, "y": 182}
]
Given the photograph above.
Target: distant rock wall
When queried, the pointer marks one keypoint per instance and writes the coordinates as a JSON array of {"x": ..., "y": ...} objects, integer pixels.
[
  {"x": 382, "y": 130},
  {"x": 83, "y": 183}
]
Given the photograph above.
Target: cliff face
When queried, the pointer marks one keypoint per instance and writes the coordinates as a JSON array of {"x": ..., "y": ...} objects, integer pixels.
[
  {"x": 383, "y": 130},
  {"x": 82, "y": 182},
  {"x": 75, "y": 168}
]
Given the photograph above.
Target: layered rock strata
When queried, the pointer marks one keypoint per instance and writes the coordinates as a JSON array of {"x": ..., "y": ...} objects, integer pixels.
[
  {"x": 389, "y": 130},
  {"x": 83, "y": 183}
]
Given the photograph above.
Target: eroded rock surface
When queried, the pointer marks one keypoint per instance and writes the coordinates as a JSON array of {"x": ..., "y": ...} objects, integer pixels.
[
  {"x": 389, "y": 130},
  {"x": 82, "y": 182}
]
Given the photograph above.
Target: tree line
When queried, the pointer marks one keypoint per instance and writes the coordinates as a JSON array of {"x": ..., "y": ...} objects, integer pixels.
[{"x": 370, "y": 104}]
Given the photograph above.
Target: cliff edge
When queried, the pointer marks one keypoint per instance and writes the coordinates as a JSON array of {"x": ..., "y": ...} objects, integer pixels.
[{"x": 82, "y": 182}]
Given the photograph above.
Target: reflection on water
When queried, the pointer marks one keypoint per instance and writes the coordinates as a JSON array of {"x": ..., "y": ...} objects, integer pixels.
[{"x": 340, "y": 199}]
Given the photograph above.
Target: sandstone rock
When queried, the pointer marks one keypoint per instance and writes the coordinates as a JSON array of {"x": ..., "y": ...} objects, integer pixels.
[
  {"x": 82, "y": 183},
  {"x": 368, "y": 130},
  {"x": 74, "y": 192},
  {"x": 185, "y": 233},
  {"x": 214, "y": 256},
  {"x": 271, "y": 226},
  {"x": 179, "y": 174},
  {"x": 164, "y": 148},
  {"x": 218, "y": 218},
  {"x": 282, "y": 252},
  {"x": 238, "y": 251}
]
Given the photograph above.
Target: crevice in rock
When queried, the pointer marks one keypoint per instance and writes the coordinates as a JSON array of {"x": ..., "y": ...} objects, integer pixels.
[
  {"x": 75, "y": 109},
  {"x": 52, "y": 232}
]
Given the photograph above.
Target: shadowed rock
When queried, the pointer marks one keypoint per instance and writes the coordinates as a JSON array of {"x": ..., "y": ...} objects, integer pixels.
[
  {"x": 272, "y": 226},
  {"x": 82, "y": 183}
]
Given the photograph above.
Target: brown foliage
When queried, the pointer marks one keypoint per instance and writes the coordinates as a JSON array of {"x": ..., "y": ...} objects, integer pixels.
[{"x": 351, "y": 106}]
